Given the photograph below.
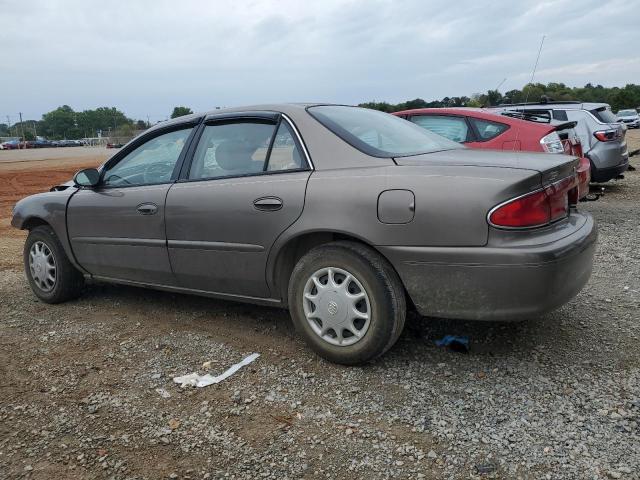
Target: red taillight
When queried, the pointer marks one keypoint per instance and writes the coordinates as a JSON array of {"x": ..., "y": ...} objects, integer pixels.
[
  {"x": 584, "y": 177},
  {"x": 576, "y": 150},
  {"x": 538, "y": 208},
  {"x": 606, "y": 135}
]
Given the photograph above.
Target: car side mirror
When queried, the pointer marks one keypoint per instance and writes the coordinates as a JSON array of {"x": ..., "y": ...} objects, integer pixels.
[{"x": 89, "y": 177}]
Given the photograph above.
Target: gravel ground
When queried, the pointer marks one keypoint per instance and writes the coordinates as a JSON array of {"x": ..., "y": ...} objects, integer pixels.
[{"x": 86, "y": 389}]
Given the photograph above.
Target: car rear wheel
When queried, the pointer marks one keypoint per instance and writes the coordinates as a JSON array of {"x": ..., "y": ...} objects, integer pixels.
[
  {"x": 51, "y": 275},
  {"x": 347, "y": 302}
]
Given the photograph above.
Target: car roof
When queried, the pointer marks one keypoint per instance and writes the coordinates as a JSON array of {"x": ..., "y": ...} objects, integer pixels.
[
  {"x": 286, "y": 108},
  {"x": 554, "y": 105}
]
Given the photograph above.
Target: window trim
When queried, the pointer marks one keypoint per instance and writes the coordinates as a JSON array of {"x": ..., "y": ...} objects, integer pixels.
[
  {"x": 471, "y": 132},
  {"x": 141, "y": 140},
  {"x": 274, "y": 118}
]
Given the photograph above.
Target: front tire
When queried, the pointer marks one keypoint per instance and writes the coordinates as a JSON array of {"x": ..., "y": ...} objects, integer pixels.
[
  {"x": 51, "y": 275},
  {"x": 347, "y": 302}
]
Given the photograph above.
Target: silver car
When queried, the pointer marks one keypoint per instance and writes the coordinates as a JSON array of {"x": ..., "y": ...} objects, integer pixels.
[
  {"x": 346, "y": 216},
  {"x": 601, "y": 135},
  {"x": 629, "y": 117}
]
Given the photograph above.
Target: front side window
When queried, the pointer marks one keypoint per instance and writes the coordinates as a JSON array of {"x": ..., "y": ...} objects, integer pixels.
[
  {"x": 487, "y": 129},
  {"x": 151, "y": 163},
  {"x": 379, "y": 134},
  {"x": 453, "y": 128}
]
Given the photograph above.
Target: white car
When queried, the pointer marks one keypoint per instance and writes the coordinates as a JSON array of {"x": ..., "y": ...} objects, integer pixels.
[{"x": 629, "y": 117}]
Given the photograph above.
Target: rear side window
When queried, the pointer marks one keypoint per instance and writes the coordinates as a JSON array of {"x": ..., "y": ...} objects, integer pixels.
[
  {"x": 604, "y": 115},
  {"x": 487, "y": 129},
  {"x": 453, "y": 128},
  {"x": 284, "y": 151},
  {"x": 231, "y": 149},
  {"x": 560, "y": 115},
  {"x": 244, "y": 148}
]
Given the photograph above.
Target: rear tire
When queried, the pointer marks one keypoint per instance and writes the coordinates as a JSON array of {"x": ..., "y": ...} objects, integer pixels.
[
  {"x": 347, "y": 302},
  {"x": 51, "y": 275}
]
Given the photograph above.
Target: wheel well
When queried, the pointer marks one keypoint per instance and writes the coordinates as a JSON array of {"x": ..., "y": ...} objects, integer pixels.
[
  {"x": 33, "y": 222},
  {"x": 296, "y": 247}
]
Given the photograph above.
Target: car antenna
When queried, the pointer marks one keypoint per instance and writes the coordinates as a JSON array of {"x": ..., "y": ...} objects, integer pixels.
[{"x": 526, "y": 98}]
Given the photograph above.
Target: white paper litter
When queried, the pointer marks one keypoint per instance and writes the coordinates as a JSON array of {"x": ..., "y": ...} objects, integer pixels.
[
  {"x": 195, "y": 380},
  {"x": 163, "y": 393}
]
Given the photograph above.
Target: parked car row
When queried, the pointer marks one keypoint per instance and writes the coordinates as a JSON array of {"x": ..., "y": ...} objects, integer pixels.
[
  {"x": 588, "y": 130},
  {"x": 40, "y": 143}
]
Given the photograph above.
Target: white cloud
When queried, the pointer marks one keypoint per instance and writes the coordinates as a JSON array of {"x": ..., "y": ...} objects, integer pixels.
[{"x": 147, "y": 56}]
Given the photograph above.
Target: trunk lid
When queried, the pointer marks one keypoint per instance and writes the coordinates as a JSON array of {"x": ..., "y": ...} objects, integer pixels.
[{"x": 550, "y": 166}]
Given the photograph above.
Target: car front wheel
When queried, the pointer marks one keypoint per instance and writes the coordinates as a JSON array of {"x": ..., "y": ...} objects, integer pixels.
[
  {"x": 51, "y": 275},
  {"x": 347, "y": 302}
]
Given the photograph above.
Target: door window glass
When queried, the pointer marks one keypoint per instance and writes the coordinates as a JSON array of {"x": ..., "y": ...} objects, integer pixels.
[
  {"x": 284, "y": 152},
  {"x": 453, "y": 128},
  {"x": 231, "y": 149},
  {"x": 560, "y": 115},
  {"x": 151, "y": 163},
  {"x": 487, "y": 129}
]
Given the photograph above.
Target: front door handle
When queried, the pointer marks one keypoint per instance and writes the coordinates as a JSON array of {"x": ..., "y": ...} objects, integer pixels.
[
  {"x": 268, "y": 204},
  {"x": 147, "y": 208}
]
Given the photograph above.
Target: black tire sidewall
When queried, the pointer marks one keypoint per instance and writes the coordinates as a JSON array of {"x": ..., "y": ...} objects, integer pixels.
[
  {"x": 381, "y": 327},
  {"x": 68, "y": 279}
]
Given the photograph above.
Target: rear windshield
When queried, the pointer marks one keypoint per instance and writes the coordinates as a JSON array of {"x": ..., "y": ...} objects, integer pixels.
[
  {"x": 379, "y": 134},
  {"x": 604, "y": 115}
]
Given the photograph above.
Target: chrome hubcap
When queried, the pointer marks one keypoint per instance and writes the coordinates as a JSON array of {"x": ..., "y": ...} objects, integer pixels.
[
  {"x": 337, "y": 306},
  {"x": 42, "y": 266}
]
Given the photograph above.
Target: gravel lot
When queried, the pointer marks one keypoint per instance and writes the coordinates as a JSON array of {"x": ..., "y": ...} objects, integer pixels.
[{"x": 86, "y": 389}]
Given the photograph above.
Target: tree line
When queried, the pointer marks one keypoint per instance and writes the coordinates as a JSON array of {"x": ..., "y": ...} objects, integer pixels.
[
  {"x": 619, "y": 98},
  {"x": 66, "y": 123}
]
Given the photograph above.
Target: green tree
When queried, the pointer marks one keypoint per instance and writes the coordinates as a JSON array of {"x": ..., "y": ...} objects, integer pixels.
[
  {"x": 181, "y": 111},
  {"x": 618, "y": 98}
]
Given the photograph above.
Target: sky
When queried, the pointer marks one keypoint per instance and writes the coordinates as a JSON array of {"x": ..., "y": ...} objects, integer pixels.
[{"x": 147, "y": 56}]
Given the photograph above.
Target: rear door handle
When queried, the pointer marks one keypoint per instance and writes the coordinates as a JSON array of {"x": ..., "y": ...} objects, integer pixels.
[
  {"x": 268, "y": 204},
  {"x": 147, "y": 208}
]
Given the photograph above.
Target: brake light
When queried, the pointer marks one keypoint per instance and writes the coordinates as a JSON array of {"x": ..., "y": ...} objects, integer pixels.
[
  {"x": 576, "y": 149},
  {"x": 551, "y": 143},
  {"x": 537, "y": 208},
  {"x": 584, "y": 177},
  {"x": 606, "y": 135}
]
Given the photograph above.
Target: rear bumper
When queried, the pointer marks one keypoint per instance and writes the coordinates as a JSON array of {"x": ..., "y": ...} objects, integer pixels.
[
  {"x": 608, "y": 160},
  {"x": 599, "y": 175},
  {"x": 497, "y": 283}
]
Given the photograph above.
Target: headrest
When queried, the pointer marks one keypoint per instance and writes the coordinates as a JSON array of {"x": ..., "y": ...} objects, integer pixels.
[{"x": 234, "y": 155}]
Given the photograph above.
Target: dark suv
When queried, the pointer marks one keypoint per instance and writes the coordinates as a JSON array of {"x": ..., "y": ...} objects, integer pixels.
[{"x": 602, "y": 137}]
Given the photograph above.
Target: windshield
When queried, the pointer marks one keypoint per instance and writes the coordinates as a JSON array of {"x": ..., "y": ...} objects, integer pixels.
[
  {"x": 379, "y": 134},
  {"x": 627, "y": 113}
]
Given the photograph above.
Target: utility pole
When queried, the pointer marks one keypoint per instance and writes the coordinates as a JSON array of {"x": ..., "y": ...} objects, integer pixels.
[
  {"x": 22, "y": 130},
  {"x": 35, "y": 132},
  {"x": 9, "y": 124}
]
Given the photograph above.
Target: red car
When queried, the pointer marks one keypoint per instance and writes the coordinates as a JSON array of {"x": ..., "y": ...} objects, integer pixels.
[{"x": 479, "y": 128}]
